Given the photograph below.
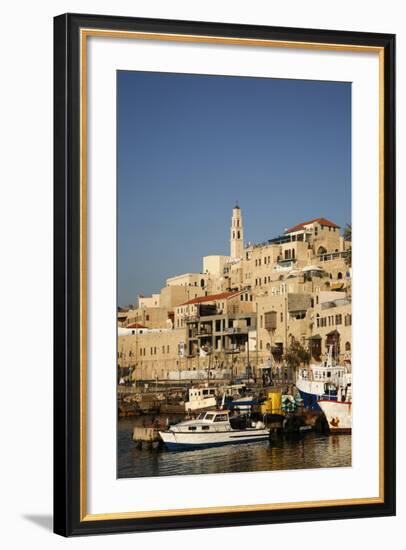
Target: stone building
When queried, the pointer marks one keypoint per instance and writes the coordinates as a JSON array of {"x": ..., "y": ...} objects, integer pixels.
[{"x": 246, "y": 309}]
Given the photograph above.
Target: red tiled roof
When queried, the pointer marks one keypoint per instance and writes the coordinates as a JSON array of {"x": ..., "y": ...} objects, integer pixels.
[
  {"x": 135, "y": 325},
  {"x": 211, "y": 298},
  {"x": 321, "y": 221}
]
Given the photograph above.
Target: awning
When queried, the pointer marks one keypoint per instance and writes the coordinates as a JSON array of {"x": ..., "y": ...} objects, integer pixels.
[
  {"x": 312, "y": 268},
  {"x": 314, "y": 337},
  {"x": 337, "y": 286},
  {"x": 333, "y": 333}
]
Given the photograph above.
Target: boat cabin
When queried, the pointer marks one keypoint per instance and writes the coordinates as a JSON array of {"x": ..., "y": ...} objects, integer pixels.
[
  {"x": 201, "y": 393},
  {"x": 213, "y": 416}
]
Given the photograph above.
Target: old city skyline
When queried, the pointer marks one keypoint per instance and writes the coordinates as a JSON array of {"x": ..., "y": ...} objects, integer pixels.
[{"x": 176, "y": 185}]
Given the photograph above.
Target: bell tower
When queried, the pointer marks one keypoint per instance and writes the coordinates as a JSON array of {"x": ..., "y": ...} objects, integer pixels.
[{"x": 236, "y": 234}]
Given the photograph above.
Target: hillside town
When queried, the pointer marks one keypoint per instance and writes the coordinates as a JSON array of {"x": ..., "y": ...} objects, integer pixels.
[{"x": 241, "y": 316}]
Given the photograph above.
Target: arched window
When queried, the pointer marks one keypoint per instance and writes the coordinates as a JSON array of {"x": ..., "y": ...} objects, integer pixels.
[
  {"x": 238, "y": 234},
  {"x": 348, "y": 346},
  {"x": 339, "y": 275},
  {"x": 321, "y": 250},
  {"x": 202, "y": 283}
]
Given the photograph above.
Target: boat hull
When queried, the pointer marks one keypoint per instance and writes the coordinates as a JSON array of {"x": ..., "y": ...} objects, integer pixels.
[
  {"x": 183, "y": 440},
  {"x": 310, "y": 400},
  {"x": 338, "y": 415}
]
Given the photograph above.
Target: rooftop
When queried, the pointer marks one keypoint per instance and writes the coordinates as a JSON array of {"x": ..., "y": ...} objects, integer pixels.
[
  {"x": 322, "y": 221},
  {"x": 211, "y": 298}
]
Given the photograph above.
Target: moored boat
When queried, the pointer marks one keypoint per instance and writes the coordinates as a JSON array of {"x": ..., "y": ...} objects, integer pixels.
[
  {"x": 211, "y": 429},
  {"x": 338, "y": 415},
  {"x": 321, "y": 382},
  {"x": 201, "y": 398},
  {"x": 338, "y": 412}
]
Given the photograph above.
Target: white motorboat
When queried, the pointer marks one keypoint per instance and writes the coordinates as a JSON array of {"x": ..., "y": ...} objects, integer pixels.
[{"x": 211, "y": 429}]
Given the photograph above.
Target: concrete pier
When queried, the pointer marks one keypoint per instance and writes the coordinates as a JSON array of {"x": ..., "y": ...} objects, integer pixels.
[{"x": 146, "y": 438}]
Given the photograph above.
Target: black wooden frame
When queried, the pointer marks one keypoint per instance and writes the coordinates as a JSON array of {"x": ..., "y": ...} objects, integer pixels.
[{"x": 67, "y": 275}]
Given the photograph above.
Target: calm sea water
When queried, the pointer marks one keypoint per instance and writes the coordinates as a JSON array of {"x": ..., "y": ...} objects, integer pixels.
[{"x": 309, "y": 451}]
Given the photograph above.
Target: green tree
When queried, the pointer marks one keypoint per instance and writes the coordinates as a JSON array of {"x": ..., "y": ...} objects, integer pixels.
[
  {"x": 296, "y": 354},
  {"x": 347, "y": 234}
]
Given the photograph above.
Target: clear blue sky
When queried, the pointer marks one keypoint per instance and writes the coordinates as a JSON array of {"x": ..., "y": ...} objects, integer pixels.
[{"x": 189, "y": 146}]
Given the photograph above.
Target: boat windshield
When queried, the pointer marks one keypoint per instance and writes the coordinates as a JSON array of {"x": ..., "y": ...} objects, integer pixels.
[
  {"x": 221, "y": 418},
  {"x": 201, "y": 416}
]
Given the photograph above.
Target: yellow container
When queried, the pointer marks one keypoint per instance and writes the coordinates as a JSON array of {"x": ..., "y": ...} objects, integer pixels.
[{"x": 273, "y": 404}]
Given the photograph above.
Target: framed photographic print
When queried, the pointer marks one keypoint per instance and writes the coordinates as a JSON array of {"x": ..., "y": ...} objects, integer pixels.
[{"x": 224, "y": 274}]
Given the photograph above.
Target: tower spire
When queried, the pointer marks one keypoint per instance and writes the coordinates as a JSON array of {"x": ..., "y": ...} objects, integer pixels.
[{"x": 236, "y": 233}]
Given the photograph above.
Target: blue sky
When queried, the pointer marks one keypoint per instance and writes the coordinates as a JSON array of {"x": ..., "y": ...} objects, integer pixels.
[{"x": 189, "y": 146}]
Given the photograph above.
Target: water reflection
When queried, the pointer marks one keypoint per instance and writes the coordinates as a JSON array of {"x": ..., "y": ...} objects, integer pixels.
[{"x": 280, "y": 453}]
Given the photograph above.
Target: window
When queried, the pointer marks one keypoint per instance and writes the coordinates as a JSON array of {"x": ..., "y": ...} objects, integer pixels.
[
  {"x": 238, "y": 234},
  {"x": 192, "y": 428},
  {"x": 205, "y": 427},
  {"x": 209, "y": 416},
  {"x": 339, "y": 319},
  {"x": 221, "y": 418},
  {"x": 339, "y": 275},
  {"x": 281, "y": 317},
  {"x": 147, "y": 317},
  {"x": 348, "y": 346}
]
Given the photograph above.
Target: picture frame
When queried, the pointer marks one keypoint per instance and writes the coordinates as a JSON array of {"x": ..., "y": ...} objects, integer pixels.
[{"x": 72, "y": 280}]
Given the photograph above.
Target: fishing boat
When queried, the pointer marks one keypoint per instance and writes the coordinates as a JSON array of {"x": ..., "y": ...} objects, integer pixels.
[
  {"x": 338, "y": 412},
  {"x": 213, "y": 429},
  {"x": 236, "y": 397},
  {"x": 321, "y": 382},
  {"x": 201, "y": 398}
]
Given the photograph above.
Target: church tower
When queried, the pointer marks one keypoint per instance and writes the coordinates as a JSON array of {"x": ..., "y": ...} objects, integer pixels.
[{"x": 236, "y": 234}]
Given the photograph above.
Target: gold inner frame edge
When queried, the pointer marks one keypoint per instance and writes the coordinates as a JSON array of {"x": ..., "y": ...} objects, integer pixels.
[{"x": 84, "y": 34}]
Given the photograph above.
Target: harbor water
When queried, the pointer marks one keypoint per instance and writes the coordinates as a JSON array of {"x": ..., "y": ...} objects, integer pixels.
[{"x": 306, "y": 451}]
